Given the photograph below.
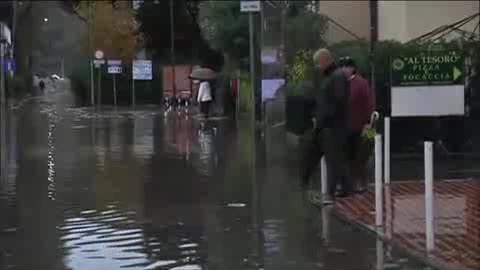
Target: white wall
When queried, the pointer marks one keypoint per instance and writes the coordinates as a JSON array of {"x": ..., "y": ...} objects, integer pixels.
[
  {"x": 424, "y": 16},
  {"x": 353, "y": 15},
  {"x": 406, "y": 20},
  {"x": 392, "y": 20}
]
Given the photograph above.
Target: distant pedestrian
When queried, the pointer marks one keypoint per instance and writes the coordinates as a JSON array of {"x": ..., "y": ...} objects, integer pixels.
[
  {"x": 361, "y": 107},
  {"x": 204, "y": 97},
  {"x": 41, "y": 85},
  {"x": 332, "y": 112}
]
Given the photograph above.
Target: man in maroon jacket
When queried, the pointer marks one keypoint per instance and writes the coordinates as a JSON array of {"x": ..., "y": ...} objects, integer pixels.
[{"x": 361, "y": 107}]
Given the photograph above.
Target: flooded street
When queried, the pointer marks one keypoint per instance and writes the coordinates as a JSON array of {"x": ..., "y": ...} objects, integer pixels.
[{"x": 119, "y": 189}]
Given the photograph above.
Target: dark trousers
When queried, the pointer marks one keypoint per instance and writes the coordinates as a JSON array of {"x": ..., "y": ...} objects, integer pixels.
[
  {"x": 205, "y": 108},
  {"x": 335, "y": 146},
  {"x": 357, "y": 159},
  {"x": 312, "y": 151}
]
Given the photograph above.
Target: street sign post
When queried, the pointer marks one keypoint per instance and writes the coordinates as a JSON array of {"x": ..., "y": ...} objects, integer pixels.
[
  {"x": 98, "y": 62},
  {"x": 114, "y": 68},
  {"x": 428, "y": 83},
  {"x": 98, "y": 65},
  {"x": 251, "y": 7},
  {"x": 142, "y": 71}
]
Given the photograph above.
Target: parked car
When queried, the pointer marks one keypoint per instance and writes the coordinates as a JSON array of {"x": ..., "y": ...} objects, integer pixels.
[{"x": 55, "y": 77}]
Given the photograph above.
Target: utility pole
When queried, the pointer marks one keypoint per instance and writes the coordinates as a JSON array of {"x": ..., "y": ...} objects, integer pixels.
[
  {"x": 172, "y": 48},
  {"x": 252, "y": 60},
  {"x": 373, "y": 41},
  {"x": 63, "y": 68},
  {"x": 3, "y": 96},
  {"x": 14, "y": 25},
  {"x": 90, "y": 52}
]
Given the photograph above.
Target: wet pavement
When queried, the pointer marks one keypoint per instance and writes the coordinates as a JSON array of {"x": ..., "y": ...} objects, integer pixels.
[
  {"x": 122, "y": 189},
  {"x": 456, "y": 216}
]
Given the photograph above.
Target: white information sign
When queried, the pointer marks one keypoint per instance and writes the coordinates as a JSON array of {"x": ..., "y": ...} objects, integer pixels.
[
  {"x": 437, "y": 100},
  {"x": 142, "y": 70},
  {"x": 114, "y": 70},
  {"x": 250, "y": 6}
]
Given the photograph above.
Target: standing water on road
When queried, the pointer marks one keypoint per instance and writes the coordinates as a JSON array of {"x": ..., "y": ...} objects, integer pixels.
[{"x": 117, "y": 189}]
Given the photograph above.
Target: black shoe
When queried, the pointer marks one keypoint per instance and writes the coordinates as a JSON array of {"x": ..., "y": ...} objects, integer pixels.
[
  {"x": 361, "y": 190},
  {"x": 344, "y": 194}
]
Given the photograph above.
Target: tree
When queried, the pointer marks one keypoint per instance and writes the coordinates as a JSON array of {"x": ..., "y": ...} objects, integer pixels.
[
  {"x": 227, "y": 30},
  {"x": 115, "y": 29},
  {"x": 190, "y": 46}
]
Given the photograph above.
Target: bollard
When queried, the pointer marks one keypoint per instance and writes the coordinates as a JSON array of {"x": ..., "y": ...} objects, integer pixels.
[
  {"x": 388, "y": 213},
  {"x": 430, "y": 234},
  {"x": 323, "y": 169},
  {"x": 386, "y": 150},
  {"x": 378, "y": 182}
]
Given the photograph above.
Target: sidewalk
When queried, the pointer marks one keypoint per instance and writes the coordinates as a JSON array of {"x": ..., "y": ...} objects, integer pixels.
[{"x": 457, "y": 220}]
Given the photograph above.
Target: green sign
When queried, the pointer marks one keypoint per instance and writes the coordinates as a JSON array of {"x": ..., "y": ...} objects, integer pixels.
[{"x": 428, "y": 68}]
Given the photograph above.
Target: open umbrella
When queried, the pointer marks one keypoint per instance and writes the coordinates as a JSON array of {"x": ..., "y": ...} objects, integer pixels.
[{"x": 203, "y": 74}]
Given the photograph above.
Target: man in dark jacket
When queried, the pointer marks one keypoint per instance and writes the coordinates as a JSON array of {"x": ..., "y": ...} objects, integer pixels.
[{"x": 332, "y": 113}]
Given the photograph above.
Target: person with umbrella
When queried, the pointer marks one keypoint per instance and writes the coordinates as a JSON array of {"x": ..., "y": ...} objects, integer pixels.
[{"x": 205, "y": 94}]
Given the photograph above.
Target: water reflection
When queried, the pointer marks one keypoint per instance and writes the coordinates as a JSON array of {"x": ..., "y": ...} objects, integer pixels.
[
  {"x": 117, "y": 189},
  {"x": 206, "y": 159}
]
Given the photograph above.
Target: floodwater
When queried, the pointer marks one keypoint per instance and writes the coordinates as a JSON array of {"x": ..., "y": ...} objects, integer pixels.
[{"x": 121, "y": 189}]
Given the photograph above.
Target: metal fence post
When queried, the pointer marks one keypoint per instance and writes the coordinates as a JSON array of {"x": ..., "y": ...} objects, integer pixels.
[
  {"x": 378, "y": 182},
  {"x": 323, "y": 169},
  {"x": 387, "y": 150},
  {"x": 429, "y": 219}
]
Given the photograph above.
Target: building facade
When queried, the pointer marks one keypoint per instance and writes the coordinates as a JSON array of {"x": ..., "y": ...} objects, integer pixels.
[{"x": 397, "y": 20}]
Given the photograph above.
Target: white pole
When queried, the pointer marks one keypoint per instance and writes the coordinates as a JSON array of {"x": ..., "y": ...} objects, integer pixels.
[
  {"x": 429, "y": 196},
  {"x": 378, "y": 182},
  {"x": 323, "y": 169},
  {"x": 387, "y": 151}
]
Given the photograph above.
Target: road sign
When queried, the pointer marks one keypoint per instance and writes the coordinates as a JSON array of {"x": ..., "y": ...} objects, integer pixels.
[
  {"x": 114, "y": 70},
  {"x": 250, "y": 6},
  {"x": 142, "y": 70},
  {"x": 98, "y": 62},
  {"x": 428, "y": 68},
  {"x": 114, "y": 66},
  {"x": 99, "y": 54},
  {"x": 137, "y": 4},
  {"x": 114, "y": 62}
]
